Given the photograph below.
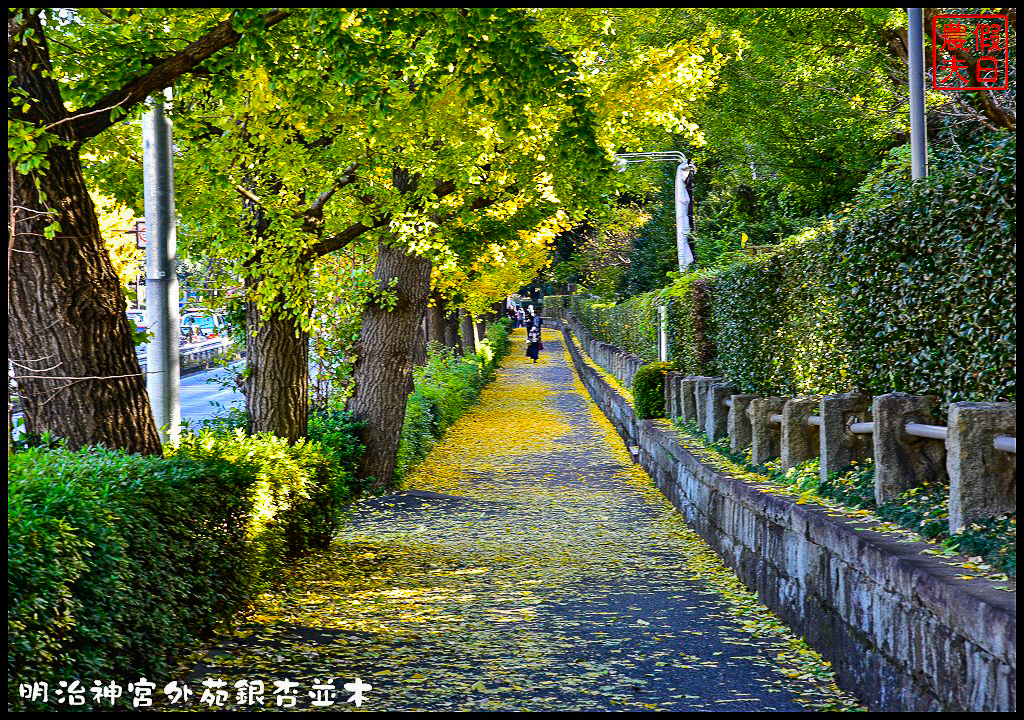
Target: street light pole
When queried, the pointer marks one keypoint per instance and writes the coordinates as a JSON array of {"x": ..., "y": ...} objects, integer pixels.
[
  {"x": 915, "y": 68},
  {"x": 162, "y": 360},
  {"x": 682, "y": 198}
]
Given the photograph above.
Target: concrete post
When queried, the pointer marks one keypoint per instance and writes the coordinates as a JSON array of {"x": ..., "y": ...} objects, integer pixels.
[
  {"x": 703, "y": 383},
  {"x": 799, "y": 440},
  {"x": 982, "y": 480},
  {"x": 766, "y": 436},
  {"x": 838, "y": 446},
  {"x": 671, "y": 395},
  {"x": 688, "y": 398},
  {"x": 739, "y": 423},
  {"x": 716, "y": 413},
  {"x": 903, "y": 461},
  {"x": 163, "y": 364}
]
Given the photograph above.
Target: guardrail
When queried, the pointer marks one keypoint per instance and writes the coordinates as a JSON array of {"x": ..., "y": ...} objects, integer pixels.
[{"x": 194, "y": 355}]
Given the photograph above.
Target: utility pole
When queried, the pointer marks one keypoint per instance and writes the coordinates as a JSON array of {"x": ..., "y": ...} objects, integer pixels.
[
  {"x": 162, "y": 379},
  {"x": 915, "y": 67},
  {"x": 682, "y": 197}
]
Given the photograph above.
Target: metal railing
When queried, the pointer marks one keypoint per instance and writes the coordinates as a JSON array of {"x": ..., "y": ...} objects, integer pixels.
[{"x": 932, "y": 432}]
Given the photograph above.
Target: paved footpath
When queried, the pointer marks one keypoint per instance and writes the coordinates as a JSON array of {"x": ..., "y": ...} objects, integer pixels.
[{"x": 530, "y": 566}]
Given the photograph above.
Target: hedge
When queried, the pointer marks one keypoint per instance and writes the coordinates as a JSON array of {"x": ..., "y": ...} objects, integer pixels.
[
  {"x": 631, "y": 326},
  {"x": 117, "y": 562},
  {"x": 912, "y": 290}
]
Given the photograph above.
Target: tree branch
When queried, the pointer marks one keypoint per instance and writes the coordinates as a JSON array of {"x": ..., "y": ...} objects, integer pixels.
[
  {"x": 93, "y": 120},
  {"x": 998, "y": 114}
]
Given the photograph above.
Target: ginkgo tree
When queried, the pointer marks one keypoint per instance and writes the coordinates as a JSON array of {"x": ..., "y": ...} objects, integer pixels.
[
  {"x": 442, "y": 142},
  {"x": 72, "y": 74}
]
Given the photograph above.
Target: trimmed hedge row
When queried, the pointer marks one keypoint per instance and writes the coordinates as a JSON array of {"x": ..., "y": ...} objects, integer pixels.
[
  {"x": 631, "y": 326},
  {"x": 117, "y": 562},
  {"x": 913, "y": 290},
  {"x": 445, "y": 387}
]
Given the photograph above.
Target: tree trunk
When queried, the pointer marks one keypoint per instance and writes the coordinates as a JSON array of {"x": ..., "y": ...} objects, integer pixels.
[
  {"x": 277, "y": 388},
  {"x": 436, "y": 319},
  {"x": 69, "y": 340},
  {"x": 419, "y": 348},
  {"x": 451, "y": 331},
  {"x": 468, "y": 333},
  {"x": 383, "y": 368}
]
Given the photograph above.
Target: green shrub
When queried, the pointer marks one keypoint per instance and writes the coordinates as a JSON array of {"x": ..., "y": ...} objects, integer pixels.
[
  {"x": 117, "y": 562},
  {"x": 631, "y": 326},
  {"x": 649, "y": 390}
]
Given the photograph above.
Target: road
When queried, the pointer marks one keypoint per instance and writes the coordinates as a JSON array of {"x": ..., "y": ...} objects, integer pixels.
[{"x": 202, "y": 395}]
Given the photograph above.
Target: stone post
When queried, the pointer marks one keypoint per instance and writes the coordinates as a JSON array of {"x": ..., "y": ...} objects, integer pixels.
[
  {"x": 671, "y": 395},
  {"x": 982, "y": 480},
  {"x": 903, "y": 461},
  {"x": 739, "y": 423},
  {"x": 716, "y": 414},
  {"x": 765, "y": 435},
  {"x": 838, "y": 446},
  {"x": 799, "y": 440},
  {"x": 703, "y": 383},
  {"x": 688, "y": 398}
]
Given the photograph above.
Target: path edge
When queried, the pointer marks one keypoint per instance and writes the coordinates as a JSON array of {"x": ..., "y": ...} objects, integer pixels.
[{"x": 902, "y": 632}]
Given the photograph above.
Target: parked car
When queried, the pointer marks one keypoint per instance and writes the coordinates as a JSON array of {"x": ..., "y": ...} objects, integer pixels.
[{"x": 211, "y": 325}]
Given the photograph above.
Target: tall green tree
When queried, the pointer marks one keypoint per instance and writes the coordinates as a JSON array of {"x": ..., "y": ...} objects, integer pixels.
[{"x": 70, "y": 342}]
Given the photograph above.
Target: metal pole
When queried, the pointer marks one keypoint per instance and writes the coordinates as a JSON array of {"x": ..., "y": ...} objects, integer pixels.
[
  {"x": 915, "y": 63},
  {"x": 162, "y": 379},
  {"x": 682, "y": 217}
]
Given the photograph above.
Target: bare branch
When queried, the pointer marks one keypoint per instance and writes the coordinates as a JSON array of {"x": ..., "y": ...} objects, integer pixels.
[{"x": 248, "y": 195}]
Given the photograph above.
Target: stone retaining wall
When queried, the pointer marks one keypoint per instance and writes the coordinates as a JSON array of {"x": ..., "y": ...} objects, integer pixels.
[{"x": 901, "y": 630}]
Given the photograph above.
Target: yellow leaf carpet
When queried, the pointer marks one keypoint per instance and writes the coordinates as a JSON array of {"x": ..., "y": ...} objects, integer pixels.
[{"x": 529, "y": 565}]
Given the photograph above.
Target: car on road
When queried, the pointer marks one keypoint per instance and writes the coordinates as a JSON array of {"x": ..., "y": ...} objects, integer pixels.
[{"x": 211, "y": 325}]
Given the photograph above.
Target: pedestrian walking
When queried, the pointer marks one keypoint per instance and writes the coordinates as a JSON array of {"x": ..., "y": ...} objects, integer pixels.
[
  {"x": 530, "y": 315},
  {"x": 535, "y": 345}
]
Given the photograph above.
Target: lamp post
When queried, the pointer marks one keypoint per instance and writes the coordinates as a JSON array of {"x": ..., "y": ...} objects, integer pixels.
[
  {"x": 162, "y": 361},
  {"x": 683, "y": 170},
  {"x": 915, "y": 67}
]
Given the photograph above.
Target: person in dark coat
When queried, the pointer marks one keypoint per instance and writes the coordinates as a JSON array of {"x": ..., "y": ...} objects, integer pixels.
[
  {"x": 530, "y": 316},
  {"x": 535, "y": 345}
]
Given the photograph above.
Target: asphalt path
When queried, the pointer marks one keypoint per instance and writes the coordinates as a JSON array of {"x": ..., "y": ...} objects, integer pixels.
[{"x": 529, "y": 565}]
